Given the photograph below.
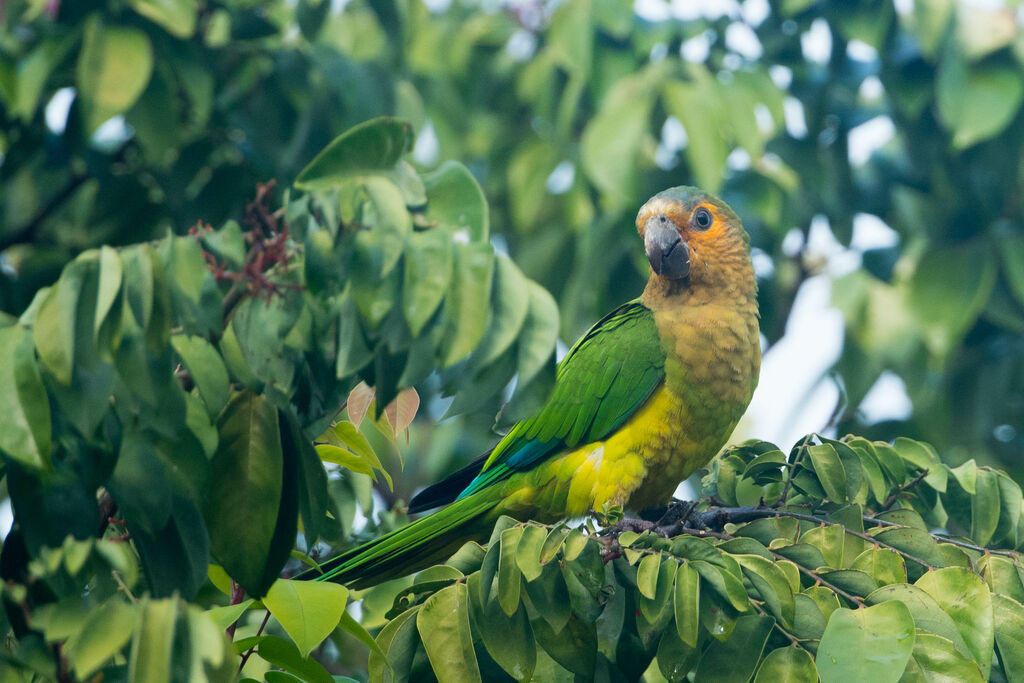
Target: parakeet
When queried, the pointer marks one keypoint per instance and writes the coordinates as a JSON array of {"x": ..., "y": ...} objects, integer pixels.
[{"x": 647, "y": 396}]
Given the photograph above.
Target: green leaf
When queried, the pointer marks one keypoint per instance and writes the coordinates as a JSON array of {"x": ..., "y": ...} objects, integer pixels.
[
  {"x": 106, "y": 630},
  {"x": 803, "y": 554},
  {"x": 398, "y": 641},
  {"x": 686, "y": 603},
  {"x": 111, "y": 273},
  {"x": 948, "y": 290},
  {"x": 830, "y": 471},
  {"x": 53, "y": 331},
  {"x": 977, "y": 102},
  {"x": 659, "y": 610},
  {"x": 1001, "y": 576},
  {"x": 528, "y": 171},
  {"x": 371, "y": 148},
  {"x": 225, "y": 615},
  {"x": 29, "y": 82},
  {"x": 510, "y": 302},
  {"x": 428, "y": 272},
  {"x": 882, "y": 564},
  {"x": 647, "y": 575},
  {"x": 1011, "y": 503},
  {"x": 353, "y": 627},
  {"x": 766, "y": 465},
  {"x": 697, "y": 105},
  {"x": 280, "y": 652},
  {"x": 176, "y": 557},
  {"x": 539, "y": 334},
  {"x": 966, "y": 476},
  {"x": 364, "y": 458},
  {"x": 1011, "y": 249},
  {"x": 468, "y": 301},
  {"x": 675, "y": 658},
  {"x": 926, "y": 612},
  {"x": 826, "y": 600},
  {"x": 455, "y": 202},
  {"x": 443, "y": 625},
  {"x": 177, "y": 16},
  {"x": 724, "y": 583},
  {"x": 872, "y": 467},
  {"x": 550, "y": 596},
  {"x": 246, "y": 472},
  {"x": 869, "y": 644},
  {"x": 736, "y": 658},
  {"x": 574, "y": 646},
  {"x": 985, "y": 507},
  {"x": 528, "y": 551},
  {"x": 307, "y": 610},
  {"x": 914, "y": 542},
  {"x": 1008, "y": 615},
  {"x": 964, "y": 596},
  {"x": 771, "y": 583},
  {"x": 924, "y": 457},
  {"x": 113, "y": 69},
  {"x": 140, "y": 483},
  {"x": 508, "y": 639},
  {"x": 312, "y": 479},
  {"x": 810, "y": 617},
  {"x": 787, "y": 665},
  {"x": 206, "y": 368},
  {"x": 508, "y": 570},
  {"x": 553, "y": 543},
  {"x": 613, "y": 139},
  {"x": 937, "y": 659},
  {"x": 152, "y": 650},
  {"x": 23, "y": 403},
  {"x": 388, "y": 219},
  {"x": 829, "y": 540}
]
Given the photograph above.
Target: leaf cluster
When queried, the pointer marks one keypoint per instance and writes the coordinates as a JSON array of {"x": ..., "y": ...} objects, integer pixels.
[
  {"x": 176, "y": 405},
  {"x": 828, "y": 563}
]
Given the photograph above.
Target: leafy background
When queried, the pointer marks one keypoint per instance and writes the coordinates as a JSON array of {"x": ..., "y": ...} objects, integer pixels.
[{"x": 131, "y": 127}]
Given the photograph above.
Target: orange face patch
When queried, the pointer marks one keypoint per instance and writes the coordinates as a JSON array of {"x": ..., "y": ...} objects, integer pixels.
[{"x": 681, "y": 217}]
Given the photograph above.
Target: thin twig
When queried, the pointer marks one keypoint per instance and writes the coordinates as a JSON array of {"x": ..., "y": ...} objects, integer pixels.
[
  {"x": 824, "y": 582},
  {"x": 27, "y": 232},
  {"x": 122, "y": 586},
  {"x": 894, "y": 496},
  {"x": 107, "y": 508},
  {"x": 948, "y": 539},
  {"x": 779, "y": 627},
  {"x": 237, "y": 595},
  {"x": 63, "y": 674},
  {"x": 248, "y": 653}
]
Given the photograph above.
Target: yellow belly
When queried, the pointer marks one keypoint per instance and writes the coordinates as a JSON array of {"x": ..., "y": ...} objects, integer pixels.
[{"x": 637, "y": 467}]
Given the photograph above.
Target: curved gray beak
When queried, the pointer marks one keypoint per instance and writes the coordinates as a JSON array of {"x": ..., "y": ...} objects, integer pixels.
[{"x": 667, "y": 253}]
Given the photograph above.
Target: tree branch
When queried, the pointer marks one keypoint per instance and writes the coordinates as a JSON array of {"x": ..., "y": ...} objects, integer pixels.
[{"x": 26, "y": 233}]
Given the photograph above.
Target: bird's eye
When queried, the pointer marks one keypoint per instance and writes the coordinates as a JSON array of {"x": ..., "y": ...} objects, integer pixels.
[{"x": 702, "y": 218}]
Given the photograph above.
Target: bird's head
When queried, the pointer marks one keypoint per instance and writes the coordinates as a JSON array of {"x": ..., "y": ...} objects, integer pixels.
[{"x": 693, "y": 238}]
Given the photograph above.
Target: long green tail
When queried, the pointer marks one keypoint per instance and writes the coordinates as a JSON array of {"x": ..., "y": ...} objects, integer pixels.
[{"x": 424, "y": 542}]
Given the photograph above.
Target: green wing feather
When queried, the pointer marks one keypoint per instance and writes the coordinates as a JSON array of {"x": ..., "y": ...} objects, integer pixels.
[{"x": 602, "y": 381}]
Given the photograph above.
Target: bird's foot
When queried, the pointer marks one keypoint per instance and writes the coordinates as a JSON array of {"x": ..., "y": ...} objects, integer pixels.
[
  {"x": 674, "y": 519},
  {"x": 630, "y": 524}
]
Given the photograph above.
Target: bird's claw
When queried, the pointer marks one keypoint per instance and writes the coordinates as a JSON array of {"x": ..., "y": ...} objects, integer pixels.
[{"x": 631, "y": 524}]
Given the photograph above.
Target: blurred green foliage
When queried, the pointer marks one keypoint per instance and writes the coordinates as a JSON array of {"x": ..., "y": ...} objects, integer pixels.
[
  {"x": 218, "y": 95},
  {"x": 171, "y": 393},
  {"x": 179, "y": 374}
]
